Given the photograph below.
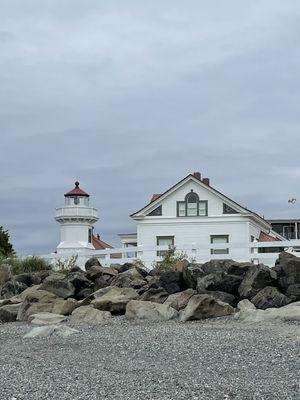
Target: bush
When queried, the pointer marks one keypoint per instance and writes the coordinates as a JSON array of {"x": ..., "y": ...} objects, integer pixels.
[
  {"x": 170, "y": 258},
  {"x": 26, "y": 265}
]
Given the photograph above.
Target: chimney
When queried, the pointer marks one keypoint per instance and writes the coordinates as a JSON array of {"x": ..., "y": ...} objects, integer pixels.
[
  {"x": 206, "y": 181},
  {"x": 197, "y": 175}
]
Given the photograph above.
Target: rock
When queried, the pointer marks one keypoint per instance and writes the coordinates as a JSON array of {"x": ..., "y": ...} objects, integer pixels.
[
  {"x": 91, "y": 262},
  {"x": 50, "y": 330},
  {"x": 171, "y": 281},
  {"x": 5, "y": 273},
  {"x": 293, "y": 292},
  {"x": 269, "y": 297},
  {"x": 158, "y": 295},
  {"x": 128, "y": 279},
  {"x": 219, "y": 281},
  {"x": 239, "y": 269},
  {"x": 203, "y": 306},
  {"x": 96, "y": 271},
  {"x": 25, "y": 278},
  {"x": 79, "y": 281},
  {"x": 150, "y": 311},
  {"x": 288, "y": 270},
  {"x": 3, "y": 302},
  {"x": 46, "y": 318},
  {"x": 257, "y": 277},
  {"x": 11, "y": 289},
  {"x": 122, "y": 268},
  {"x": 9, "y": 312},
  {"x": 84, "y": 293},
  {"x": 217, "y": 266},
  {"x": 181, "y": 264},
  {"x": 102, "y": 282},
  {"x": 39, "y": 276},
  {"x": 245, "y": 305},
  {"x": 90, "y": 315},
  {"x": 290, "y": 312},
  {"x": 35, "y": 301},
  {"x": 224, "y": 297},
  {"x": 178, "y": 301},
  {"x": 190, "y": 274},
  {"x": 64, "y": 307},
  {"x": 59, "y": 285},
  {"x": 114, "y": 299}
]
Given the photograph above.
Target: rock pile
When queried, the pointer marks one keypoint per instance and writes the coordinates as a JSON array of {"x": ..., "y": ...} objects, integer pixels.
[{"x": 188, "y": 292}]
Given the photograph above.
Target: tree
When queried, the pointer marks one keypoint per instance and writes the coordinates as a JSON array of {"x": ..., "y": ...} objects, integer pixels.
[{"x": 6, "y": 248}]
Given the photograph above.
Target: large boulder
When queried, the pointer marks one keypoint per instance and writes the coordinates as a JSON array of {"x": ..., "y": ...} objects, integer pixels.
[
  {"x": 96, "y": 271},
  {"x": 190, "y": 275},
  {"x": 270, "y": 297},
  {"x": 89, "y": 314},
  {"x": 178, "y": 301},
  {"x": 5, "y": 273},
  {"x": 121, "y": 267},
  {"x": 11, "y": 289},
  {"x": 25, "y": 278},
  {"x": 220, "y": 281},
  {"x": 114, "y": 299},
  {"x": 35, "y": 301},
  {"x": 288, "y": 270},
  {"x": 240, "y": 269},
  {"x": 131, "y": 278},
  {"x": 224, "y": 297},
  {"x": 293, "y": 292},
  {"x": 9, "y": 312},
  {"x": 171, "y": 281},
  {"x": 150, "y": 311},
  {"x": 203, "y": 306},
  {"x": 64, "y": 307},
  {"x": 79, "y": 281},
  {"x": 158, "y": 295},
  {"x": 59, "y": 285},
  {"x": 290, "y": 312},
  {"x": 103, "y": 281},
  {"x": 257, "y": 277},
  {"x": 91, "y": 262}
]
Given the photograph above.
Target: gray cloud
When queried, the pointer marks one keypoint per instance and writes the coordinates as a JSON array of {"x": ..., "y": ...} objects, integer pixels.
[{"x": 130, "y": 97}]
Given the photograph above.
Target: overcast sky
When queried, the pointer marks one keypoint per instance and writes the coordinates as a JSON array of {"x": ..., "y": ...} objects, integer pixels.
[{"x": 130, "y": 96}]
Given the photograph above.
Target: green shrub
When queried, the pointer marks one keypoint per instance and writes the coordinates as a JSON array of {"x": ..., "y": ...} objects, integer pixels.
[
  {"x": 169, "y": 260},
  {"x": 26, "y": 265}
]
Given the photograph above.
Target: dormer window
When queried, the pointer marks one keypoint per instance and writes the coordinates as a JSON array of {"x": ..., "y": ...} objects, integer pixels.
[{"x": 192, "y": 206}]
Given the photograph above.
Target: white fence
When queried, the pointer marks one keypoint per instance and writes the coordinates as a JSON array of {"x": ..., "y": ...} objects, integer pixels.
[{"x": 256, "y": 252}]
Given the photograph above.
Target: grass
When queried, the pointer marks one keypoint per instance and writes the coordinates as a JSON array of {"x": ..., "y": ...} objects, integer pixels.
[{"x": 26, "y": 265}]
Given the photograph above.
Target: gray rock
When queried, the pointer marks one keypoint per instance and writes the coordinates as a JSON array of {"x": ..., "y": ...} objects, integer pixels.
[
  {"x": 270, "y": 297},
  {"x": 50, "y": 330},
  {"x": 178, "y": 301},
  {"x": 290, "y": 312},
  {"x": 158, "y": 295},
  {"x": 91, "y": 262},
  {"x": 293, "y": 292},
  {"x": 220, "y": 281},
  {"x": 191, "y": 273},
  {"x": 126, "y": 279},
  {"x": 223, "y": 296},
  {"x": 288, "y": 270},
  {"x": 96, "y": 271},
  {"x": 245, "y": 305},
  {"x": 11, "y": 289},
  {"x": 256, "y": 278},
  {"x": 114, "y": 299},
  {"x": 9, "y": 312},
  {"x": 59, "y": 285},
  {"x": 171, "y": 281},
  {"x": 150, "y": 311},
  {"x": 203, "y": 306},
  {"x": 90, "y": 315},
  {"x": 46, "y": 318}
]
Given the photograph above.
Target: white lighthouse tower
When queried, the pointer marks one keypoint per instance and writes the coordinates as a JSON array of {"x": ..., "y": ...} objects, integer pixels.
[{"x": 76, "y": 221}]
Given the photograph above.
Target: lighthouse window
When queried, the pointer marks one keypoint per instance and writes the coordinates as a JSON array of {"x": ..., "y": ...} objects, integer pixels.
[
  {"x": 76, "y": 200},
  {"x": 90, "y": 235}
]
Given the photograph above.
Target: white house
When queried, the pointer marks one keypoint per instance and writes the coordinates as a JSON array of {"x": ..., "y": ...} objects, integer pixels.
[{"x": 192, "y": 214}]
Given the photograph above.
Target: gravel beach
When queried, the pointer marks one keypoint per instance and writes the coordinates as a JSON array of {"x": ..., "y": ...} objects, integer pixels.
[{"x": 219, "y": 359}]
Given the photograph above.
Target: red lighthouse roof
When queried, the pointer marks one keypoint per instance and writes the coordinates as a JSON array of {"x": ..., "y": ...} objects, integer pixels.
[{"x": 77, "y": 191}]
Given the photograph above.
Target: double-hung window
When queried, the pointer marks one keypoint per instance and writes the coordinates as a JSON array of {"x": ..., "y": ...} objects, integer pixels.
[
  {"x": 221, "y": 241},
  {"x": 164, "y": 241}
]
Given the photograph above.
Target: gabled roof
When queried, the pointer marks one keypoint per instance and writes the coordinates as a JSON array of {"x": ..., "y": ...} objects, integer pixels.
[
  {"x": 77, "y": 191},
  {"x": 151, "y": 205},
  {"x": 265, "y": 237}
]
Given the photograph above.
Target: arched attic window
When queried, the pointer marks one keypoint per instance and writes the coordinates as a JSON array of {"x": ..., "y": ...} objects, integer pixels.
[{"x": 192, "y": 206}]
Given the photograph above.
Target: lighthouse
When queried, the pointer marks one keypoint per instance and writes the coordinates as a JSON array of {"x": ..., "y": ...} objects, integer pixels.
[{"x": 76, "y": 221}]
